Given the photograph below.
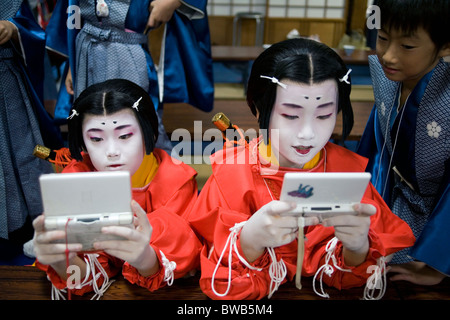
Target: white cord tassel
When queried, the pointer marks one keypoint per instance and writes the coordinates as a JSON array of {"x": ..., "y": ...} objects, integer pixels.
[
  {"x": 57, "y": 294},
  {"x": 327, "y": 268},
  {"x": 231, "y": 243},
  {"x": 277, "y": 269},
  {"x": 377, "y": 281},
  {"x": 300, "y": 252},
  {"x": 91, "y": 265},
  {"x": 169, "y": 268},
  {"x": 92, "y": 261},
  {"x": 277, "y": 272}
]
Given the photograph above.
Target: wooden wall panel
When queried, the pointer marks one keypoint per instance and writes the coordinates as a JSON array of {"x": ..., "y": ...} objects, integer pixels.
[
  {"x": 276, "y": 29},
  {"x": 325, "y": 30}
]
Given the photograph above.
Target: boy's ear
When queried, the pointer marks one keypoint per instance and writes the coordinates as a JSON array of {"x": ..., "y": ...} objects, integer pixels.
[{"x": 445, "y": 51}]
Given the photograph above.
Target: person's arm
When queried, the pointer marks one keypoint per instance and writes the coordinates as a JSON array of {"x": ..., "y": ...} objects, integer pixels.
[
  {"x": 175, "y": 250},
  {"x": 161, "y": 11},
  {"x": 136, "y": 249},
  {"x": 352, "y": 231},
  {"x": 235, "y": 265},
  {"x": 272, "y": 226},
  {"x": 351, "y": 260},
  {"x": 51, "y": 258},
  {"x": 416, "y": 272},
  {"x": 8, "y": 31},
  {"x": 54, "y": 254}
]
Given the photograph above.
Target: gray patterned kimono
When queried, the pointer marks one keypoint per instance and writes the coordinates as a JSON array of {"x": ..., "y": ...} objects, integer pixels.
[
  {"x": 19, "y": 133},
  {"x": 415, "y": 147},
  {"x": 105, "y": 51}
]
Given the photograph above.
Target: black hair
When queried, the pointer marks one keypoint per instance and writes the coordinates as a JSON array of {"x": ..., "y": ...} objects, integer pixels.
[
  {"x": 109, "y": 97},
  {"x": 302, "y": 61},
  {"x": 408, "y": 15}
]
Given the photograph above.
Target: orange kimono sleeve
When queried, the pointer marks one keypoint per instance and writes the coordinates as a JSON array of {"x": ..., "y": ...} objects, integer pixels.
[
  {"x": 176, "y": 246},
  {"x": 225, "y": 273}
]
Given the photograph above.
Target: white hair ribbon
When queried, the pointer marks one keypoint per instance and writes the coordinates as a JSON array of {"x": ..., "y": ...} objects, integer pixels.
[
  {"x": 275, "y": 80},
  {"x": 136, "y": 104},
  {"x": 345, "y": 78},
  {"x": 74, "y": 113}
]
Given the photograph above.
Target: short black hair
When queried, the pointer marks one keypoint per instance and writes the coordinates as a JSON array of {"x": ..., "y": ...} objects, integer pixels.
[
  {"x": 109, "y": 97},
  {"x": 302, "y": 61},
  {"x": 408, "y": 15}
]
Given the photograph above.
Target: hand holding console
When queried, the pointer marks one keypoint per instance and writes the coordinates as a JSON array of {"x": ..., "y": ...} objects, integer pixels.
[
  {"x": 82, "y": 203},
  {"x": 335, "y": 199}
]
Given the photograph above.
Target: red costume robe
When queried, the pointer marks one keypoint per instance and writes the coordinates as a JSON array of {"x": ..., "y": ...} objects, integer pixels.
[
  {"x": 166, "y": 199},
  {"x": 238, "y": 188}
]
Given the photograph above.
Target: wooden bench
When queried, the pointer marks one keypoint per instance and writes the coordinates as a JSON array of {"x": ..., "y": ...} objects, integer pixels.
[{"x": 30, "y": 283}]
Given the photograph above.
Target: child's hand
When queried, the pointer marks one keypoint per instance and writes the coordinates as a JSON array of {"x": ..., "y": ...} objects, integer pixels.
[
  {"x": 7, "y": 31},
  {"x": 69, "y": 83},
  {"x": 136, "y": 249},
  {"x": 352, "y": 231},
  {"x": 49, "y": 253},
  {"x": 416, "y": 272},
  {"x": 273, "y": 225},
  {"x": 161, "y": 11}
]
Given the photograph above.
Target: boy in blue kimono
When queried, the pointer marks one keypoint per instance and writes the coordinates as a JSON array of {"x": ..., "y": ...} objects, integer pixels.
[
  {"x": 407, "y": 135},
  {"x": 106, "y": 39}
]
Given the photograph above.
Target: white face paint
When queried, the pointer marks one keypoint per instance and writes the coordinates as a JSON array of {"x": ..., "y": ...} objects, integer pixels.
[
  {"x": 302, "y": 121},
  {"x": 114, "y": 142}
]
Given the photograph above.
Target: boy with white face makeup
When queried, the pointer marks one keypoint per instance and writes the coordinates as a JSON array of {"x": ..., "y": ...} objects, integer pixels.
[
  {"x": 296, "y": 88},
  {"x": 113, "y": 127},
  {"x": 307, "y": 115}
]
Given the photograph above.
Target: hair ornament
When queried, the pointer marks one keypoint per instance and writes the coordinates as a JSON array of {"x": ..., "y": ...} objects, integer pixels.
[
  {"x": 74, "y": 113},
  {"x": 345, "y": 78},
  {"x": 275, "y": 80},
  {"x": 136, "y": 104}
]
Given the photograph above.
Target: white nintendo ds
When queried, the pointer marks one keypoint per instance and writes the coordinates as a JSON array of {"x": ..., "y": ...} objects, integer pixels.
[
  {"x": 82, "y": 203},
  {"x": 324, "y": 194}
]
